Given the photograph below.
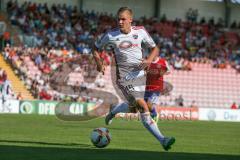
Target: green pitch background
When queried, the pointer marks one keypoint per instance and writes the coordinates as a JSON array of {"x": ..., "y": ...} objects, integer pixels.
[{"x": 47, "y": 138}]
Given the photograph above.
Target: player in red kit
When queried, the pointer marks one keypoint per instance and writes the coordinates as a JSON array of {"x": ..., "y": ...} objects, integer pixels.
[{"x": 154, "y": 84}]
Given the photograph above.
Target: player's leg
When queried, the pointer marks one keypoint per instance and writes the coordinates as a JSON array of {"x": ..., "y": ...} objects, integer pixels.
[
  {"x": 152, "y": 127},
  {"x": 168, "y": 142},
  {"x": 114, "y": 109},
  {"x": 155, "y": 102},
  {"x": 153, "y": 111},
  {"x": 152, "y": 99},
  {"x": 121, "y": 107},
  {"x": 147, "y": 121}
]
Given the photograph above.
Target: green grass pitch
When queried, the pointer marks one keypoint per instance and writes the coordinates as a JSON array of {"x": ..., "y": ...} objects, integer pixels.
[{"x": 47, "y": 138}]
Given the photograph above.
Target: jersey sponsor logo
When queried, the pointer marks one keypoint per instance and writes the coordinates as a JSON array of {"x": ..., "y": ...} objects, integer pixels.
[{"x": 127, "y": 44}]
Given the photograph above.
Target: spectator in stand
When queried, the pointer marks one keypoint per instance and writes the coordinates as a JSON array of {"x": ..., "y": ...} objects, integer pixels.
[
  {"x": 203, "y": 20},
  {"x": 220, "y": 23},
  {"x": 6, "y": 91},
  {"x": 193, "y": 104},
  {"x": 164, "y": 18},
  {"x": 179, "y": 101},
  {"x": 195, "y": 15},
  {"x": 234, "y": 106},
  {"x": 189, "y": 14},
  {"x": 38, "y": 60},
  {"x": 1, "y": 73},
  {"x": 6, "y": 38},
  {"x": 234, "y": 24},
  {"x": 192, "y": 15},
  {"x": 44, "y": 95},
  {"x": 3, "y": 27},
  {"x": 178, "y": 64},
  {"x": 19, "y": 96},
  {"x": 187, "y": 65}
]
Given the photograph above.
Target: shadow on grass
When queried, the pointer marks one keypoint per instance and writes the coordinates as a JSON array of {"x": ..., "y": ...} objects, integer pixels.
[
  {"x": 87, "y": 152},
  {"x": 46, "y": 143}
]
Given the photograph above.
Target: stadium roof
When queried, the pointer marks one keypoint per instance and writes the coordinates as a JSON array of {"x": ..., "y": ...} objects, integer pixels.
[{"x": 233, "y": 1}]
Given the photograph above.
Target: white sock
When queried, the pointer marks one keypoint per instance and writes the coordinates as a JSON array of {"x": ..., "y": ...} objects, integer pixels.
[
  {"x": 151, "y": 126},
  {"x": 121, "y": 107}
]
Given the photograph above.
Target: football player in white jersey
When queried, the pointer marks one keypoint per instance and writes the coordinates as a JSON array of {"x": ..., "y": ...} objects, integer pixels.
[
  {"x": 6, "y": 91},
  {"x": 126, "y": 41}
]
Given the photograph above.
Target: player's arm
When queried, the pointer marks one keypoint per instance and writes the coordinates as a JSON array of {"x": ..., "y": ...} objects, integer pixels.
[
  {"x": 99, "y": 44},
  {"x": 98, "y": 60},
  {"x": 168, "y": 68},
  {"x": 11, "y": 92},
  {"x": 154, "y": 50},
  {"x": 163, "y": 71},
  {"x": 153, "y": 53}
]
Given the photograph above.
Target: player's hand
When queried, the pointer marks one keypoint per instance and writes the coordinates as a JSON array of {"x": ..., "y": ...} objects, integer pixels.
[
  {"x": 145, "y": 64},
  {"x": 162, "y": 72},
  {"x": 101, "y": 68}
]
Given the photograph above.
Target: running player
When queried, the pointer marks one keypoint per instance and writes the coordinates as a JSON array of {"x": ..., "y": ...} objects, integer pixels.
[
  {"x": 126, "y": 41},
  {"x": 5, "y": 89},
  {"x": 154, "y": 84}
]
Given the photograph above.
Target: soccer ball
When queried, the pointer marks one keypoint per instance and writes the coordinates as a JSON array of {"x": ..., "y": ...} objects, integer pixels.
[{"x": 100, "y": 137}]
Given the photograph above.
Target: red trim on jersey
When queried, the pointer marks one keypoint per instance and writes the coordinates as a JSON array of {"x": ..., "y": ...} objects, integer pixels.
[
  {"x": 141, "y": 27},
  {"x": 155, "y": 75},
  {"x": 138, "y": 27}
]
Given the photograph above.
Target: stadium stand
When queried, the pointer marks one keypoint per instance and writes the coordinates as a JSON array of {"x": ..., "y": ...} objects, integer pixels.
[
  {"x": 207, "y": 86},
  {"x": 205, "y": 58},
  {"x": 16, "y": 83}
]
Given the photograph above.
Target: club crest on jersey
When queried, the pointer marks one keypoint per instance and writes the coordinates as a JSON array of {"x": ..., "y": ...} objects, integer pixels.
[{"x": 135, "y": 36}]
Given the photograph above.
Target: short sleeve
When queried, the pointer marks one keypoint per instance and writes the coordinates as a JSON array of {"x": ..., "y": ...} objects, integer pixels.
[
  {"x": 147, "y": 39},
  {"x": 100, "y": 43},
  {"x": 167, "y": 66}
]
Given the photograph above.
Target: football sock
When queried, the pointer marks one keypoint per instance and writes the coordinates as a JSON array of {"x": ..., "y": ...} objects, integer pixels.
[
  {"x": 151, "y": 126},
  {"x": 153, "y": 111}
]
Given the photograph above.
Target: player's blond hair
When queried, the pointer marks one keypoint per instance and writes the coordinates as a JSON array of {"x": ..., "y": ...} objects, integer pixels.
[{"x": 123, "y": 9}]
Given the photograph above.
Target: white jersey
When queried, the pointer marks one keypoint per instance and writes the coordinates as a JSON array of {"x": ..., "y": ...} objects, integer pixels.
[
  {"x": 127, "y": 47},
  {"x": 6, "y": 89}
]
